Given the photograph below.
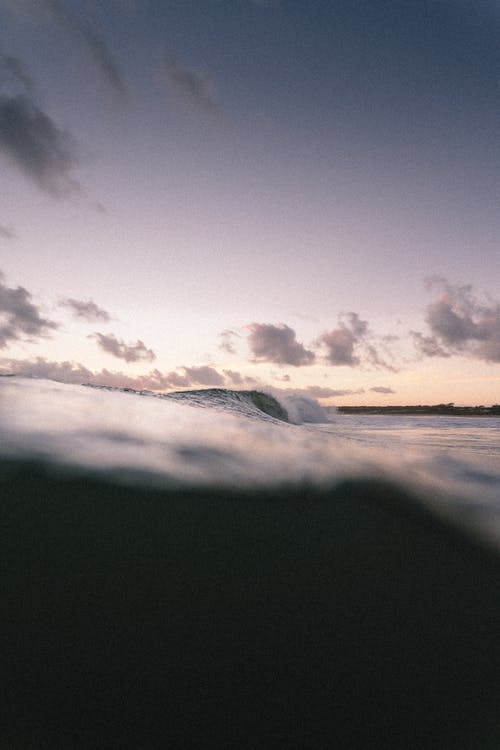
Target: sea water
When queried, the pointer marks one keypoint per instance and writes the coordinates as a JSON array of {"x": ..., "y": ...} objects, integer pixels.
[
  {"x": 222, "y": 437},
  {"x": 193, "y": 571}
]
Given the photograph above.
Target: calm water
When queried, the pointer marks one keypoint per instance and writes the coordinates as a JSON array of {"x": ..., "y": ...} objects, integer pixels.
[{"x": 462, "y": 435}]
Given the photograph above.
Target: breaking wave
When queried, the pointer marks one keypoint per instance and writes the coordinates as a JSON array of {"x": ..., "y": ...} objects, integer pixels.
[{"x": 283, "y": 407}]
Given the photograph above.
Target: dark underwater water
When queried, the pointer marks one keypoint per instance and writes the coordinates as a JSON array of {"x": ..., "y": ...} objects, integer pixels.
[{"x": 159, "y": 589}]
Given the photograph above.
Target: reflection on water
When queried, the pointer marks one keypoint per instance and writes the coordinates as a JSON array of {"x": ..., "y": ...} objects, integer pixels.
[{"x": 469, "y": 435}]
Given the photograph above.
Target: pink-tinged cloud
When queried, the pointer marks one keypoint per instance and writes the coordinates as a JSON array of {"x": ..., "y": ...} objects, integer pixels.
[
  {"x": 20, "y": 318},
  {"x": 460, "y": 324},
  {"x": 75, "y": 372},
  {"x": 352, "y": 344},
  {"x": 128, "y": 352},
  {"x": 85, "y": 310},
  {"x": 277, "y": 344}
]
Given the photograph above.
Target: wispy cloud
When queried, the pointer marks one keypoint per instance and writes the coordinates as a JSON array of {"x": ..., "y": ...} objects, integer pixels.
[
  {"x": 19, "y": 317},
  {"x": 37, "y": 145},
  {"x": 85, "y": 310},
  {"x": 278, "y": 344},
  {"x": 428, "y": 346},
  {"x": 14, "y": 72},
  {"x": 317, "y": 391},
  {"x": 137, "y": 352},
  {"x": 381, "y": 389},
  {"x": 227, "y": 338},
  {"x": 460, "y": 324},
  {"x": 196, "y": 87},
  {"x": 79, "y": 29}
]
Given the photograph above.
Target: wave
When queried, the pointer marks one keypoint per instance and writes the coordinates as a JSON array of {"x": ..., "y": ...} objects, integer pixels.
[{"x": 285, "y": 407}]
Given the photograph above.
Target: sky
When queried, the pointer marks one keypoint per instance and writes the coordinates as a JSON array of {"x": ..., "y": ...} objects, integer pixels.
[{"x": 253, "y": 194}]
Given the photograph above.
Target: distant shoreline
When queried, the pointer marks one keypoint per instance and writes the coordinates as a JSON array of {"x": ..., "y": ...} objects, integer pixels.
[{"x": 437, "y": 409}]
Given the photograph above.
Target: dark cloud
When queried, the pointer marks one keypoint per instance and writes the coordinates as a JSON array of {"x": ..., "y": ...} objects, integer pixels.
[
  {"x": 79, "y": 29},
  {"x": 13, "y": 70},
  {"x": 381, "y": 389},
  {"x": 118, "y": 348},
  {"x": 195, "y": 86},
  {"x": 19, "y": 317},
  {"x": 7, "y": 233},
  {"x": 92, "y": 41},
  {"x": 86, "y": 310},
  {"x": 460, "y": 324},
  {"x": 36, "y": 144},
  {"x": 278, "y": 344}
]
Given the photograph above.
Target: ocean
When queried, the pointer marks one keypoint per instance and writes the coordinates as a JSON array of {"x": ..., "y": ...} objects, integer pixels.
[{"x": 236, "y": 569}]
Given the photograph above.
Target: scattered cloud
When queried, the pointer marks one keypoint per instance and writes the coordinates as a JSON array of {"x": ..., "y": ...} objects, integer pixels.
[
  {"x": 381, "y": 389},
  {"x": 86, "y": 310},
  {"x": 7, "y": 233},
  {"x": 460, "y": 324},
  {"x": 37, "y": 145},
  {"x": 118, "y": 348},
  {"x": 195, "y": 86},
  {"x": 428, "y": 346},
  {"x": 19, "y": 317},
  {"x": 227, "y": 340},
  {"x": 352, "y": 344},
  {"x": 316, "y": 391},
  {"x": 13, "y": 71},
  {"x": 74, "y": 372},
  {"x": 203, "y": 375},
  {"x": 341, "y": 343},
  {"x": 278, "y": 344},
  {"x": 77, "y": 28}
]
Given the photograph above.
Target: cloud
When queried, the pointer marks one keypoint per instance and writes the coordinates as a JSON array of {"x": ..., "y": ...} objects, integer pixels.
[
  {"x": 74, "y": 372},
  {"x": 227, "y": 336},
  {"x": 236, "y": 379},
  {"x": 65, "y": 372},
  {"x": 352, "y": 345},
  {"x": 460, "y": 324},
  {"x": 341, "y": 342},
  {"x": 194, "y": 86},
  {"x": 381, "y": 389},
  {"x": 7, "y": 233},
  {"x": 58, "y": 12},
  {"x": 428, "y": 346},
  {"x": 203, "y": 375},
  {"x": 19, "y": 317},
  {"x": 92, "y": 41},
  {"x": 118, "y": 348},
  {"x": 37, "y": 145},
  {"x": 86, "y": 310},
  {"x": 316, "y": 391},
  {"x": 278, "y": 344},
  {"x": 13, "y": 70}
]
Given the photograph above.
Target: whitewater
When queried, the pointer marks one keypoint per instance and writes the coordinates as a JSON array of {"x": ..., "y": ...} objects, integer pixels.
[{"x": 243, "y": 569}]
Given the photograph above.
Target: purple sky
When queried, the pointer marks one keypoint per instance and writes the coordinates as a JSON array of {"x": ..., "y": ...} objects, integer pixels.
[{"x": 239, "y": 193}]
